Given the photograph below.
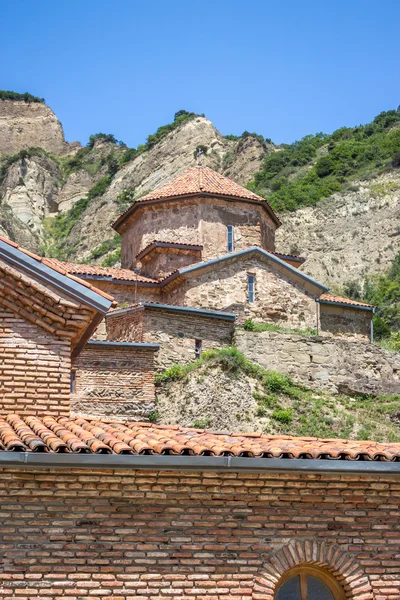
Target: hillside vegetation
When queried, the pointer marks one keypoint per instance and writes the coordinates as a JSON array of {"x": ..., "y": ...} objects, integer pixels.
[
  {"x": 249, "y": 398},
  {"x": 305, "y": 172}
]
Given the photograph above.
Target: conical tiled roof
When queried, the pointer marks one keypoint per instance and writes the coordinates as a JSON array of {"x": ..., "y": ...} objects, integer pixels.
[{"x": 200, "y": 180}]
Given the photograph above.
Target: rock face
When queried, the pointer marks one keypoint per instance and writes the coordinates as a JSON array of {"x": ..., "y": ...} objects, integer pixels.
[
  {"x": 26, "y": 125},
  {"x": 328, "y": 363},
  {"x": 349, "y": 235}
]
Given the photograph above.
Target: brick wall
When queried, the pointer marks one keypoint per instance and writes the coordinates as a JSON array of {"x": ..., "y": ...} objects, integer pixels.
[
  {"x": 176, "y": 333},
  {"x": 153, "y": 535},
  {"x": 198, "y": 221},
  {"x": 343, "y": 320},
  {"x": 34, "y": 368},
  {"x": 112, "y": 381},
  {"x": 277, "y": 298}
]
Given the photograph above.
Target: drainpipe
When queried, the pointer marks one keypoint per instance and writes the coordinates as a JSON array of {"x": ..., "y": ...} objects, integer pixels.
[
  {"x": 316, "y": 313},
  {"x": 372, "y": 326}
]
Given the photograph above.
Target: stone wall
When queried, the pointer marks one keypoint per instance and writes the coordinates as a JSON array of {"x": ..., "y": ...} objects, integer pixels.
[
  {"x": 176, "y": 333},
  {"x": 277, "y": 298},
  {"x": 162, "y": 261},
  {"x": 201, "y": 221},
  {"x": 34, "y": 368},
  {"x": 114, "y": 381},
  {"x": 336, "y": 364},
  {"x": 343, "y": 320},
  {"x": 148, "y": 534}
]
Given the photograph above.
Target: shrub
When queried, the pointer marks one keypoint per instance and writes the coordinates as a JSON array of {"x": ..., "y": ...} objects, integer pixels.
[
  {"x": 8, "y": 95},
  {"x": 276, "y": 382},
  {"x": 153, "y": 416},
  {"x": 249, "y": 325},
  {"x": 202, "y": 423},
  {"x": 396, "y": 160},
  {"x": 104, "y": 137},
  {"x": 283, "y": 415}
]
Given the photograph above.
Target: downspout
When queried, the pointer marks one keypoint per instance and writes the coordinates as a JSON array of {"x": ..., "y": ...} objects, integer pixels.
[
  {"x": 317, "y": 315},
  {"x": 372, "y": 326}
]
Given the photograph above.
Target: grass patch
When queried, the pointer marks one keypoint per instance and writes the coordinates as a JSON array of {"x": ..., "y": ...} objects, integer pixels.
[
  {"x": 284, "y": 406},
  {"x": 250, "y": 325}
]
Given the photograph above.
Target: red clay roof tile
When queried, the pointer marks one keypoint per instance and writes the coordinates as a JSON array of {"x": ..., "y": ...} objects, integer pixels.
[
  {"x": 78, "y": 434},
  {"x": 96, "y": 271},
  {"x": 199, "y": 180},
  {"x": 341, "y": 300}
]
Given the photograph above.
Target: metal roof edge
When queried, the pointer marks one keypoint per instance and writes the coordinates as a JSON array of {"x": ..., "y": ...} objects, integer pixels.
[
  {"x": 252, "y": 250},
  {"x": 189, "y": 310},
  {"x": 112, "y": 344},
  {"x": 76, "y": 290},
  {"x": 197, "y": 463}
]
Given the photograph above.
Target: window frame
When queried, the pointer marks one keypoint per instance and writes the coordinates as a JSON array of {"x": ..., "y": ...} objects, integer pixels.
[
  {"x": 251, "y": 295},
  {"x": 230, "y": 238},
  {"x": 322, "y": 574}
]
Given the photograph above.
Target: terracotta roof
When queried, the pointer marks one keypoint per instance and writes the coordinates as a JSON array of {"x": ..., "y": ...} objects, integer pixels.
[
  {"x": 284, "y": 255},
  {"x": 199, "y": 180},
  {"x": 77, "y": 434},
  {"x": 341, "y": 300},
  {"x": 96, "y": 271},
  {"x": 57, "y": 266}
]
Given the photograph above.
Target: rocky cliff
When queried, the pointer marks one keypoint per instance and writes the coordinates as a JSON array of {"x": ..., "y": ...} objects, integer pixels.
[
  {"x": 30, "y": 124},
  {"x": 344, "y": 237}
]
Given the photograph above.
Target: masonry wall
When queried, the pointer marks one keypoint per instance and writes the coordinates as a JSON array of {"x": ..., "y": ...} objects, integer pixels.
[
  {"x": 176, "y": 333},
  {"x": 152, "y": 535},
  {"x": 342, "y": 320},
  {"x": 337, "y": 364},
  {"x": 277, "y": 298},
  {"x": 114, "y": 382},
  {"x": 34, "y": 368},
  {"x": 198, "y": 221},
  {"x": 163, "y": 261}
]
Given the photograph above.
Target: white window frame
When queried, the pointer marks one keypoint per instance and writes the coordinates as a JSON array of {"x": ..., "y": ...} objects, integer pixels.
[
  {"x": 231, "y": 238},
  {"x": 251, "y": 287}
]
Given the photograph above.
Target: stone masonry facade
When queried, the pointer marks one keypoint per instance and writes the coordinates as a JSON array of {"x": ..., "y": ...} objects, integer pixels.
[
  {"x": 151, "y": 535},
  {"x": 34, "y": 368},
  {"x": 114, "y": 381},
  {"x": 176, "y": 333},
  {"x": 198, "y": 221},
  {"x": 336, "y": 364},
  {"x": 342, "y": 320},
  {"x": 277, "y": 299}
]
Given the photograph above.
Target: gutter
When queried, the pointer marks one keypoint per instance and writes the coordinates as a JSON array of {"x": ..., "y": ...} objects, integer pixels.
[
  {"x": 186, "y": 310},
  {"x": 109, "y": 344},
  {"x": 197, "y": 463},
  {"x": 33, "y": 267}
]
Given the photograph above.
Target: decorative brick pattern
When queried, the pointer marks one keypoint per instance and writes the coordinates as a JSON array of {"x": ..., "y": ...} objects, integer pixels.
[
  {"x": 34, "y": 368},
  {"x": 154, "y": 535},
  {"x": 114, "y": 381}
]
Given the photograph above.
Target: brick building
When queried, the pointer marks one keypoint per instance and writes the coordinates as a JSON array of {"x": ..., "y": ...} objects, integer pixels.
[{"x": 113, "y": 509}]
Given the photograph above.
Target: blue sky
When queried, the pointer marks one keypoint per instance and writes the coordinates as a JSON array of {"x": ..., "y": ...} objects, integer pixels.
[{"x": 281, "y": 68}]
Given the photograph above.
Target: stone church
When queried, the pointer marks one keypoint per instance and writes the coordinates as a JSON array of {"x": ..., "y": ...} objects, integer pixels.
[
  {"x": 114, "y": 508},
  {"x": 207, "y": 245}
]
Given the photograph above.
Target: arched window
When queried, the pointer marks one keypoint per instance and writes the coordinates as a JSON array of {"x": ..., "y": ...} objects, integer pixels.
[{"x": 308, "y": 583}]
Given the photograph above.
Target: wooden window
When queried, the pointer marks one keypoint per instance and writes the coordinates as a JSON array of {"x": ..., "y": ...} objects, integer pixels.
[
  {"x": 251, "y": 287},
  {"x": 230, "y": 238},
  {"x": 308, "y": 583},
  {"x": 197, "y": 348}
]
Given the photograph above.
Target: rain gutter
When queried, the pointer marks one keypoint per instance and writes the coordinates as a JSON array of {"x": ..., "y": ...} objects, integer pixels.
[{"x": 196, "y": 463}]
